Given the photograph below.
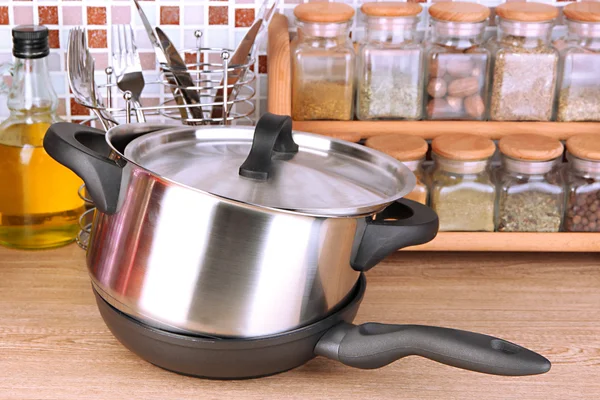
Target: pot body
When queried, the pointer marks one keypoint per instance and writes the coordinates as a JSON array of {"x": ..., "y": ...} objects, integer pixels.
[{"x": 187, "y": 261}]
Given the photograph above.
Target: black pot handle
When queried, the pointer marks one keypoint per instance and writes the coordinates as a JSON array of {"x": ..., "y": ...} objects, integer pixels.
[
  {"x": 403, "y": 223},
  {"x": 273, "y": 133},
  {"x": 84, "y": 151},
  {"x": 373, "y": 345}
]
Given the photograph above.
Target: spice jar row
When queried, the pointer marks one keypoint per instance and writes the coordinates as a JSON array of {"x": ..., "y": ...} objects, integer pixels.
[
  {"x": 531, "y": 190},
  {"x": 451, "y": 75}
]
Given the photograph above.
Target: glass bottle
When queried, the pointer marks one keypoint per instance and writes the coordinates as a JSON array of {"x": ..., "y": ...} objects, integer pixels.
[
  {"x": 411, "y": 151},
  {"x": 389, "y": 70},
  {"x": 579, "y": 87},
  {"x": 39, "y": 204},
  {"x": 582, "y": 212},
  {"x": 462, "y": 192},
  {"x": 457, "y": 63},
  {"x": 323, "y": 63},
  {"x": 530, "y": 186},
  {"x": 525, "y": 63}
]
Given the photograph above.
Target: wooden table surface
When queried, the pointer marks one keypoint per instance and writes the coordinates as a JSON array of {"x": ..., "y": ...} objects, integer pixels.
[{"x": 54, "y": 345}]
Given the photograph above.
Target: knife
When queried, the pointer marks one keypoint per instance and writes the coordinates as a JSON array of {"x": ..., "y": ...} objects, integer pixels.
[
  {"x": 175, "y": 68},
  {"x": 240, "y": 56}
]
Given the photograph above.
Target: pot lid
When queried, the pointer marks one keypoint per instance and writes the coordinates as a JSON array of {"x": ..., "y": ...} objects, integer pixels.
[{"x": 269, "y": 166}]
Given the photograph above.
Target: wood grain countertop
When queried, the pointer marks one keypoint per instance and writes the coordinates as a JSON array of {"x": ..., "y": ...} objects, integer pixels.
[{"x": 54, "y": 344}]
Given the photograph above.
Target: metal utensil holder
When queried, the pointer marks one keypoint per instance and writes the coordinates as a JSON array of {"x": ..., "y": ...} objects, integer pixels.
[{"x": 211, "y": 72}]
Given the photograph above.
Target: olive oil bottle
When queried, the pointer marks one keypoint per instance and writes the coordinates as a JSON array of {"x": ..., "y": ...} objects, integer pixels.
[{"x": 39, "y": 204}]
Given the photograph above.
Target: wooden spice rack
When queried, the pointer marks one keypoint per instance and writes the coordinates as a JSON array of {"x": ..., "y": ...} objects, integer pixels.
[{"x": 280, "y": 102}]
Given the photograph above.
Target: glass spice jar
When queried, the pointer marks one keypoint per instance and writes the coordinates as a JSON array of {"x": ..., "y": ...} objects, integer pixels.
[
  {"x": 524, "y": 63},
  {"x": 579, "y": 87},
  {"x": 410, "y": 150},
  {"x": 582, "y": 212},
  {"x": 462, "y": 192},
  {"x": 456, "y": 62},
  {"x": 389, "y": 63},
  {"x": 323, "y": 63},
  {"x": 530, "y": 186}
]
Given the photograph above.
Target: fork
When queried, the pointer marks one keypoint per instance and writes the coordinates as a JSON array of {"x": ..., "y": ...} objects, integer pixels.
[
  {"x": 80, "y": 73},
  {"x": 127, "y": 66}
]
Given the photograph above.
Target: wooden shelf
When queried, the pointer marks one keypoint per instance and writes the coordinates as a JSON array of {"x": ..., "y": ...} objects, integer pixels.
[
  {"x": 512, "y": 241},
  {"x": 280, "y": 95}
]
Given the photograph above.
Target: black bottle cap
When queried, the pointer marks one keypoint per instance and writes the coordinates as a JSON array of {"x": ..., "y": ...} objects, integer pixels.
[{"x": 30, "y": 41}]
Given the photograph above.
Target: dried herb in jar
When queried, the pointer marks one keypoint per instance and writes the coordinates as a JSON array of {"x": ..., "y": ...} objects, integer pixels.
[
  {"x": 322, "y": 100},
  {"x": 390, "y": 96},
  {"x": 583, "y": 212},
  {"x": 579, "y": 103},
  {"x": 467, "y": 208},
  {"x": 529, "y": 211},
  {"x": 524, "y": 81}
]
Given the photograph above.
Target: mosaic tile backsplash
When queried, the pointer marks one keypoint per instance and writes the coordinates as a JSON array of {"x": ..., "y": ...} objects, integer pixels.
[{"x": 223, "y": 24}]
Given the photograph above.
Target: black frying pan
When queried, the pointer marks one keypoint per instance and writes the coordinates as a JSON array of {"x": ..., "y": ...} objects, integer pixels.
[{"x": 364, "y": 346}]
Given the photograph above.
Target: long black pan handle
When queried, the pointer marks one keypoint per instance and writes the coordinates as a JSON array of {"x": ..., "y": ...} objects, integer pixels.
[
  {"x": 402, "y": 224},
  {"x": 373, "y": 345},
  {"x": 84, "y": 151}
]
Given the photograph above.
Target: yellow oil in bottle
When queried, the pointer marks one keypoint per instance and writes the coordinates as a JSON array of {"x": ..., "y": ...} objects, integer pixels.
[{"x": 39, "y": 204}]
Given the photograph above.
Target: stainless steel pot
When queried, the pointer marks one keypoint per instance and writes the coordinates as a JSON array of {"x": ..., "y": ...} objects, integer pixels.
[{"x": 236, "y": 232}]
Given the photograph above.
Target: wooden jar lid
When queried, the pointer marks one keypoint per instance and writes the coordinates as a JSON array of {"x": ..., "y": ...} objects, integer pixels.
[
  {"x": 459, "y": 11},
  {"x": 586, "y": 11},
  {"x": 463, "y": 147},
  {"x": 391, "y": 9},
  {"x": 324, "y": 12},
  {"x": 401, "y": 147},
  {"x": 585, "y": 146},
  {"x": 530, "y": 147},
  {"x": 527, "y": 12}
]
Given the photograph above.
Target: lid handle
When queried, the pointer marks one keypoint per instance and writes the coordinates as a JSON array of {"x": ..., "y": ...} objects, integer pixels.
[{"x": 273, "y": 133}]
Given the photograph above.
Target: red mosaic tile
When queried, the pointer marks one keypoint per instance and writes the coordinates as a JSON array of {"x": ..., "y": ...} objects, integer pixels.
[
  {"x": 218, "y": 15},
  {"x": 62, "y": 108},
  {"x": 190, "y": 58},
  {"x": 169, "y": 15},
  {"x": 244, "y": 17},
  {"x": 96, "y": 16},
  {"x": 97, "y": 38},
  {"x": 78, "y": 109},
  {"x": 53, "y": 39},
  {"x": 262, "y": 64},
  {"x": 48, "y": 15},
  {"x": 4, "y": 16}
]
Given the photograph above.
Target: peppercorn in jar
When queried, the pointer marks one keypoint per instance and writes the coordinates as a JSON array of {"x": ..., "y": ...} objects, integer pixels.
[
  {"x": 524, "y": 63},
  {"x": 579, "y": 88},
  {"x": 410, "y": 150},
  {"x": 583, "y": 184},
  {"x": 456, "y": 62},
  {"x": 389, "y": 63},
  {"x": 323, "y": 70},
  {"x": 462, "y": 192},
  {"x": 530, "y": 187}
]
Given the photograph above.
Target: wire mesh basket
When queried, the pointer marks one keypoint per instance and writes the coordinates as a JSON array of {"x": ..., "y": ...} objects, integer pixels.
[{"x": 217, "y": 92}]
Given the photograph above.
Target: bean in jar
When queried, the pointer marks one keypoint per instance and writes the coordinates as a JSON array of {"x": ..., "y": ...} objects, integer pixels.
[
  {"x": 390, "y": 63},
  {"x": 410, "y": 150},
  {"x": 457, "y": 62},
  {"x": 462, "y": 192},
  {"x": 583, "y": 184},
  {"x": 323, "y": 71},
  {"x": 530, "y": 186},
  {"x": 579, "y": 90},
  {"x": 525, "y": 64}
]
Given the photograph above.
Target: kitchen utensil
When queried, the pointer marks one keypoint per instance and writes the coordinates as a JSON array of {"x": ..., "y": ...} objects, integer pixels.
[
  {"x": 80, "y": 73},
  {"x": 366, "y": 346},
  {"x": 243, "y": 51},
  {"x": 177, "y": 75},
  {"x": 127, "y": 66},
  {"x": 262, "y": 246}
]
